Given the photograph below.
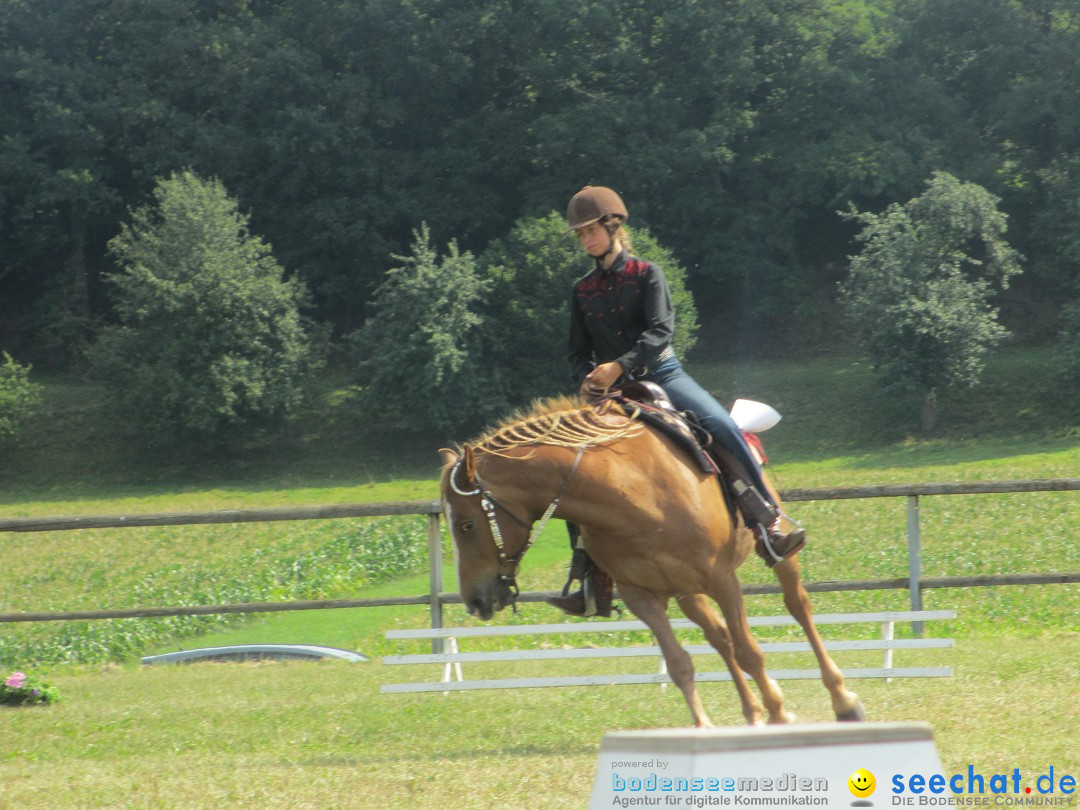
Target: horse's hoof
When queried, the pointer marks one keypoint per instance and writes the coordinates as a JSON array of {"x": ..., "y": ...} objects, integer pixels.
[
  {"x": 783, "y": 718},
  {"x": 856, "y": 714}
]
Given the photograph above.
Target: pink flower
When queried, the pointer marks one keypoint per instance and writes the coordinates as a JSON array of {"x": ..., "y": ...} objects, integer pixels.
[{"x": 16, "y": 681}]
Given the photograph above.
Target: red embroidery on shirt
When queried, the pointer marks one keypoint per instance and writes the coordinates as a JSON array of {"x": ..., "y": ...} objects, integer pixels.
[{"x": 624, "y": 288}]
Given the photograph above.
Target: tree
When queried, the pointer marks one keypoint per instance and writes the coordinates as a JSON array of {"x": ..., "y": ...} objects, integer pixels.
[
  {"x": 533, "y": 269},
  {"x": 420, "y": 355},
  {"x": 211, "y": 341},
  {"x": 735, "y": 129},
  {"x": 918, "y": 297},
  {"x": 1068, "y": 347},
  {"x": 18, "y": 397},
  {"x": 1059, "y": 226}
]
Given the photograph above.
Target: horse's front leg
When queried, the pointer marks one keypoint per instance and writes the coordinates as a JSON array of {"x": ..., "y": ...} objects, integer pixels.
[
  {"x": 698, "y": 610},
  {"x": 652, "y": 609},
  {"x": 846, "y": 704},
  {"x": 728, "y": 595}
]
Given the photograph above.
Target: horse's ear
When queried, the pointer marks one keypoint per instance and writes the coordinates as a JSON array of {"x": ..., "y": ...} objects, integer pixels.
[
  {"x": 447, "y": 455},
  {"x": 470, "y": 465}
]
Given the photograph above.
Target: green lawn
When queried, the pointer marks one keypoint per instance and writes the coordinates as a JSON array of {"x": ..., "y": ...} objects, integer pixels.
[{"x": 308, "y": 735}]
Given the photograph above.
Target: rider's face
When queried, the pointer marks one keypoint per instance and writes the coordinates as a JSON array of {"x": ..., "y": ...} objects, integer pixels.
[{"x": 594, "y": 238}]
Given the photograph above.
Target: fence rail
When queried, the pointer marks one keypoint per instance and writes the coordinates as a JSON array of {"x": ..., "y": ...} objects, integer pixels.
[
  {"x": 330, "y": 512},
  {"x": 347, "y": 510},
  {"x": 436, "y": 598},
  {"x": 915, "y": 490}
]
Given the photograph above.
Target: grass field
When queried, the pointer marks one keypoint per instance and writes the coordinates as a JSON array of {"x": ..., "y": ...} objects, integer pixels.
[{"x": 321, "y": 735}]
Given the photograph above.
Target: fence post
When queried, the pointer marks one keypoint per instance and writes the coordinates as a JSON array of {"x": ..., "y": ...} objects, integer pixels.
[
  {"x": 914, "y": 558},
  {"x": 435, "y": 580}
]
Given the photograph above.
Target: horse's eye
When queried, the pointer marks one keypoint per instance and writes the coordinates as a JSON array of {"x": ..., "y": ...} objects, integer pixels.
[{"x": 466, "y": 526}]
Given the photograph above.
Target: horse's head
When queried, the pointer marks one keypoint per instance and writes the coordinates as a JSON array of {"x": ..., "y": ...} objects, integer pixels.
[{"x": 487, "y": 546}]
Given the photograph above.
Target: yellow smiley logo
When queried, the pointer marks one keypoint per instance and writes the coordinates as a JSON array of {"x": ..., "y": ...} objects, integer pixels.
[{"x": 861, "y": 783}]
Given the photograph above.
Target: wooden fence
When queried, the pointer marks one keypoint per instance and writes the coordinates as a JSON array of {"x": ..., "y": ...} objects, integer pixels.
[{"x": 436, "y": 598}]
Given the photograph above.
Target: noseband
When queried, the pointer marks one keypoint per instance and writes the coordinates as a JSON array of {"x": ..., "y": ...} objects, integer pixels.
[{"x": 508, "y": 566}]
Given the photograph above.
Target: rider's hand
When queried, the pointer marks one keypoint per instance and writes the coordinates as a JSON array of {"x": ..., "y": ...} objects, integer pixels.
[{"x": 600, "y": 379}]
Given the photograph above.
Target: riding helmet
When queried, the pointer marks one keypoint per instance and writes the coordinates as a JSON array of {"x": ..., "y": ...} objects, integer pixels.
[{"x": 592, "y": 204}]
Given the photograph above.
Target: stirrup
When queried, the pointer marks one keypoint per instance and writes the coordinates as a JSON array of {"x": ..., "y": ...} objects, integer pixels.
[
  {"x": 588, "y": 590},
  {"x": 774, "y": 545}
]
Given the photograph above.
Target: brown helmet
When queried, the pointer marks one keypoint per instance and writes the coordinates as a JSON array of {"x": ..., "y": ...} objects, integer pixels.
[{"x": 592, "y": 204}]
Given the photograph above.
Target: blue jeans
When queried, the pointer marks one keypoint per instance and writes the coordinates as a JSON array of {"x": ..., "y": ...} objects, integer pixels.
[{"x": 686, "y": 395}]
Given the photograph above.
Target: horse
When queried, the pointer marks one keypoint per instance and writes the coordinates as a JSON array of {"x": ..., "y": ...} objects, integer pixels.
[{"x": 648, "y": 515}]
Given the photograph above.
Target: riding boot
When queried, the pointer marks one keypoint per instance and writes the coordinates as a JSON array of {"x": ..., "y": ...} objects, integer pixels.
[
  {"x": 603, "y": 588},
  {"x": 773, "y": 542},
  {"x": 593, "y": 598}
]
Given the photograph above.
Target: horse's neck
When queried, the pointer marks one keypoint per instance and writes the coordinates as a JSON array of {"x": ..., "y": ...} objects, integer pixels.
[
  {"x": 530, "y": 481},
  {"x": 556, "y": 472},
  {"x": 607, "y": 490}
]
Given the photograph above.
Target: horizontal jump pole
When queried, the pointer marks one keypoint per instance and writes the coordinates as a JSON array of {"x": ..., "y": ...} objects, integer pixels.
[
  {"x": 899, "y": 583},
  {"x": 433, "y": 507},
  {"x": 654, "y": 652},
  {"x": 700, "y": 677},
  {"x": 488, "y": 631}
]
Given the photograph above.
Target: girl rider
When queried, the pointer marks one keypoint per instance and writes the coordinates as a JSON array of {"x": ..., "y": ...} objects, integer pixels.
[{"x": 621, "y": 324}]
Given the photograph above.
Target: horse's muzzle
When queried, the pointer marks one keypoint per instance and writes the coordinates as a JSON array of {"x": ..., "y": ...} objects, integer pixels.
[
  {"x": 482, "y": 608},
  {"x": 485, "y": 602}
]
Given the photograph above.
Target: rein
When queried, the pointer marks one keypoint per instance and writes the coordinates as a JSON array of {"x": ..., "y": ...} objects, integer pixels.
[{"x": 508, "y": 566}]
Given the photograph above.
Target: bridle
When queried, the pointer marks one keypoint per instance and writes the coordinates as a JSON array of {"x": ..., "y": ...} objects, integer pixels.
[{"x": 508, "y": 566}]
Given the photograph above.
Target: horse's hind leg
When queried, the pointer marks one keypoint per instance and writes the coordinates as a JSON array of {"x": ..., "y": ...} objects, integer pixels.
[
  {"x": 699, "y": 611},
  {"x": 652, "y": 610},
  {"x": 846, "y": 704},
  {"x": 728, "y": 595}
]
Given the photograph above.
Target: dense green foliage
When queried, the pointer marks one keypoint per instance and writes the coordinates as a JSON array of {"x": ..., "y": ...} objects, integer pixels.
[
  {"x": 420, "y": 354},
  {"x": 20, "y": 689},
  {"x": 19, "y": 397},
  {"x": 918, "y": 298},
  {"x": 1070, "y": 344},
  {"x": 735, "y": 130},
  {"x": 211, "y": 340},
  {"x": 318, "y": 561},
  {"x": 489, "y": 333},
  {"x": 1069, "y": 261}
]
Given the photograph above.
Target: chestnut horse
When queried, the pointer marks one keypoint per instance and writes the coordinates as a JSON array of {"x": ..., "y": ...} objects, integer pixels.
[{"x": 648, "y": 515}]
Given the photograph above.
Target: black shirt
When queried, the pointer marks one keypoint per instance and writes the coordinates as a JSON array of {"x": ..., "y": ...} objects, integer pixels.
[{"x": 622, "y": 313}]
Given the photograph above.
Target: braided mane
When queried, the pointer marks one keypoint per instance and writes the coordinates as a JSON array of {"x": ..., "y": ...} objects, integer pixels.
[{"x": 559, "y": 422}]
